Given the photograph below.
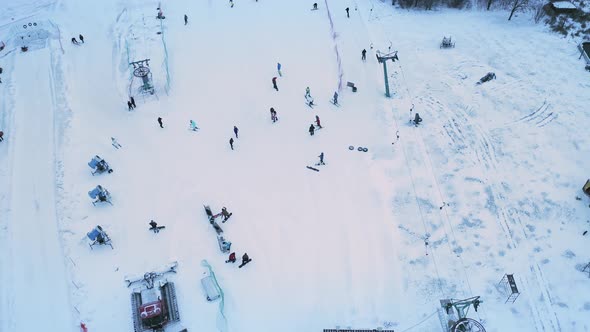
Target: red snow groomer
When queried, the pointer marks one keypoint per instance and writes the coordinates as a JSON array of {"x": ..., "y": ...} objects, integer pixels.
[{"x": 154, "y": 303}]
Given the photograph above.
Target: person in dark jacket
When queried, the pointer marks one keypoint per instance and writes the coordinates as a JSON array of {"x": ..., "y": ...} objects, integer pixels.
[
  {"x": 311, "y": 129},
  {"x": 81, "y": 38},
  {"x": 1, "y": 135},
  {"x": 185, "y": 19},
  {"x": 321, "y": 159},
  {"x": 231, "y": 143},
  {"x": 74, "y": 41},
  {"x": 236, "y": 131},
  {"x": 364, "y": 55},
  {"x": 273, "y": 115},
  {"x": 133, "y": 102},
  {"x": 129, "y": 105},
  {"x": 245, "y": 258},
  {"x": 274, "y": 83},
  {"x": 159, "y": 121},
  {"x": 347, "y": 14}
]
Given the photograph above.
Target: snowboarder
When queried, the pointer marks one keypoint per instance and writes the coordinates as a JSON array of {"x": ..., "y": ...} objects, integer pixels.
[
  {"x": 154, "y": 227},
  {"x": 273, "y": 115},
  {"x": 364, "y": 55},
  {"x": 321, "y": 156},
  {"x": 133, "y": 102},
  {"x": 74, "y": 41},
  {"x": 159, "y": 121},
  {"x": 193, "y": 125},
  {"x": 236, "y": 131},
  {"x": 279, "y": 68},
  {"x": 317, "y": 121},
  {"x": 417, "y": 119},
  {"x": 335, "y": 100},
  {"x": 315, "y": 6},
  {"x": 185, "y": 19},
  {"x": 129, "y": 105},
  {"x": 274, "y": 83},
  {"x": 347, "y": 15},
  {"x": 232, "y": 258},
  {"x": 311, "y": 129},
  {"x": 225, "y": 214},
  {"x": 1, "y": 135},
  {"x": 81, "y": 38},
  {"x": 231, "y": 143},
  {"x": 307, "y": 92},
  {"x": 115, "y": 144},
  {"x": 245, "y": 259}
]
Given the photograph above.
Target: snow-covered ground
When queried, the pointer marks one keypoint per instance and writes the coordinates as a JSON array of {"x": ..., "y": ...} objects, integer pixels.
[{"x": 486, "y": 185}]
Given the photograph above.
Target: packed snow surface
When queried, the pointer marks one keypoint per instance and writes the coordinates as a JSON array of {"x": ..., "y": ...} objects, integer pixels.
[{"x": 488, "y": 184}]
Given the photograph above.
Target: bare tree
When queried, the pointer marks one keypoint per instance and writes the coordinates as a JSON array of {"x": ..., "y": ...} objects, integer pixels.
[{"x": 517, "y": 4}]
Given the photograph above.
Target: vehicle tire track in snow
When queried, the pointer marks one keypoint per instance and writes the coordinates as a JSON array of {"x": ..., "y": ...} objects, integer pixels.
[{"x": 472, "y": 135}]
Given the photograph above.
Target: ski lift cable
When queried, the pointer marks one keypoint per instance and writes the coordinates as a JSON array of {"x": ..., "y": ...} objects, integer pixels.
[
  {"x": 420, "y": 322},
  {"x": 440, "y": 194}
]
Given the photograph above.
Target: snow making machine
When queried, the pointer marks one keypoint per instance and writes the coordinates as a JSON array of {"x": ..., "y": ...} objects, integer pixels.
[
  {"x": 99, "y": 165},
  {"x": 154, "y": 304},
  {"x": 100, "y": 194}
]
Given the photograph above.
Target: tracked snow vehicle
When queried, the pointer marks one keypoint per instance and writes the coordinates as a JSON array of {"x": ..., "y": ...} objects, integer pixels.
[{"x": 154, "y": 304}]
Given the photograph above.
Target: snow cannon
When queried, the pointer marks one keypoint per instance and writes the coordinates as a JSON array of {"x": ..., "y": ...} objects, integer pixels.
[
  {"x": 99, "y": 165},
  {"x": 100, "y": 194},
  {"x": 98, "y": 236}
]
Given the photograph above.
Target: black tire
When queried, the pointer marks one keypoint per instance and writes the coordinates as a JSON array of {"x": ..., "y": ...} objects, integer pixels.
[
  {"x": 360, "y": 148},
  {"x": 365, "y": 149},
  {"x": 351, "y": 148}
]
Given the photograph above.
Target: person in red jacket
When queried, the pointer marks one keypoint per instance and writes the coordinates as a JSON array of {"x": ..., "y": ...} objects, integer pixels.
[
  {"x": 232, "y": 258},
  {"x": 317, "y": 122}
]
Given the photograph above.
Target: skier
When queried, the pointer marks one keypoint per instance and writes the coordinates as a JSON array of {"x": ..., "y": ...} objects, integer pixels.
[
  {"x": 311, "y": 129},
  {"x": 232, "y": 258},
  {"x": 159, "y": 121},
  {"x": 309, "y": 100},
  {"x": 347, "y": 15},
  {"x": 193, "y": 125},
  {"x": 185, "y": 19},
  {"x": 364, "y": 55},
  {"x": 274, "y": 83},
  {"x": 129, "y": 105},
  {"x": 231, "y": 2},
  {"x": 321, "y": 159},
  {"x": 154, "y": 226},
  {"x": 317, "y": 121},
  {"x": 335, "y": 101},
  {"x": 231, "y": 143},
  {"x": 225, "y": 214},
  {"x": 315, "y": 6},
  {"x": 115, "y": 143},
  {"x": 133, "y": 102},
  {"x": 273, "y": 115},
  {"x": 236, "y": 131},
  {"x": 74, "y": 41},
  {"x": 307, "y": 92},
  {"x": 81, "y": 38},
  {"x": 279, "y": 68},
  {"x": 1, "y": 135}
]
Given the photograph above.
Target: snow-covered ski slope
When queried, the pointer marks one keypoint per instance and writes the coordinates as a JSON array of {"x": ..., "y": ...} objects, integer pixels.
[{"x": 486, "y": 185}]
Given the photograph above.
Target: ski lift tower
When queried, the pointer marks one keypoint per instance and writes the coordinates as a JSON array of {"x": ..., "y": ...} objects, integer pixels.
[
  {"x": 141, "y": 69},
  {"x": 459, "y": 322},
  {"x": 382, "y": 58}
]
